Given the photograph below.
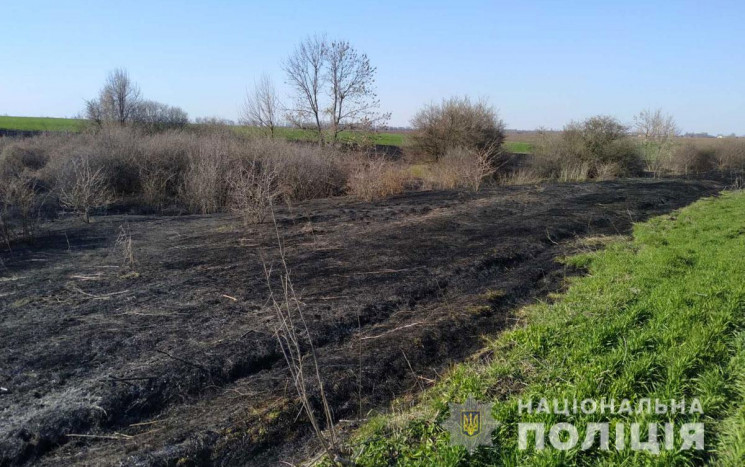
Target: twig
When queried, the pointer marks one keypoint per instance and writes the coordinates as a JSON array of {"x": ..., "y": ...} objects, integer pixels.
[
  {"x": 421, "y": 388},
  {"x": 548, "y": 235},
  {"x": 116, "y": 436},
  {"x": 390, "y": 331},
  {"x": 97, "y": 297},
  {"x": 147, "y": 423}
]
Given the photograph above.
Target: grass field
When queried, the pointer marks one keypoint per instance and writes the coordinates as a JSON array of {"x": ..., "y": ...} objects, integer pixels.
[
  {"x": 297, "y": 134},
  {"x": 518, "y": 147},
  {"x": 292, "y": 134},
  {"x": 40, "y": 124},
  {"x": 658, "y": 316}
]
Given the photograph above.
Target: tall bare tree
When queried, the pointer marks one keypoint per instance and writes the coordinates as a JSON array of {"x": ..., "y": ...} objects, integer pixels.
[
  {"x": 334, "y": 88},
  {"x": 305, "y": 73},
  {"x": 352, "y": 91},
  {"x": 658, "y": 132},
  {"x": 262, "y": 106},
  {"x": 655, "y": 126},
  {"x": 118, "y": 101}
]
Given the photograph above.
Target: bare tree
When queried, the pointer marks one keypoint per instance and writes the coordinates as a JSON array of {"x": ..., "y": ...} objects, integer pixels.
[
  {"x": 334, "y": 88},
  {"x": 658, "y": 131},
  {"x": 262, "y": 107},
  {"x": 154, "y": 116},
  {"x": 352, "y": 80},
  {"x": 655, "y": 126},
  {"x": 305, "y": 74},
  {"x": 118, "y": 101}
]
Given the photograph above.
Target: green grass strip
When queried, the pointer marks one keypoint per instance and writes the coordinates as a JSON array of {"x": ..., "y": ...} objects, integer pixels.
[
  {"x": 659, "y": 316},
  {"x": 41, "y": 124}
]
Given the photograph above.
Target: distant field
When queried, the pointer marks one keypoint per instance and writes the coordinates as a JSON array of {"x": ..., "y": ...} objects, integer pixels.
[
  {"x": 298, "y": 134},
  {"x": 40, "y": 124},
  {"x": 518, "y": 147},
  {"x": 292, "y": 134}
]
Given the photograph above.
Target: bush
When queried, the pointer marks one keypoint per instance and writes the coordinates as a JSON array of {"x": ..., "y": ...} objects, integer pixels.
[
  {"x": 602, "y": 140},
  {"x": 17, "y": 158},
  {"x": 596, "y": 148},
  {"x": 83, "y": 188},
  {"x": 461, "y": 168},
  {"x": 19, "y": 209},
  {"x": 730, "y": 154},
  {"x": 254, "y": 190},
  {"x": 687, "y": 159},
  {"x": 305, "y": 171},
  {"x": 457, "y": 123},
  {"x": 205, "y": 186},
  {"x": 376, "y": 178}
]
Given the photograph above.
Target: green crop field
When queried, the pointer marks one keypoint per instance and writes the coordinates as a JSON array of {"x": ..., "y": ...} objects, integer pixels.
[
  {"x": 292, "y": 134},
  {"x": 40, "y": 124},
  {"x": 298, "y": 134},
  {"x": 659, "y": 316},
  {"x": 518, "y": 147}
]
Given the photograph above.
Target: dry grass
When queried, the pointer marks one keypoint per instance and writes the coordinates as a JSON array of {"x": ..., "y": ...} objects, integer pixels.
[
  {"x": 521, "y": 176},
  {"x": 461, "y": 168},
  {"x": 124, "y": 247},
  {"x": 376, "y": 178}
]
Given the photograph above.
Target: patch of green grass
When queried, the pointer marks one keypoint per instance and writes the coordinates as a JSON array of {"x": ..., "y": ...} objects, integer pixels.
[
  {"x": 659, "y": 316},
  {"x": 298, "y": 134},
  {"x": 41, "y": 124},
  {"x": 518, "y": 147}
]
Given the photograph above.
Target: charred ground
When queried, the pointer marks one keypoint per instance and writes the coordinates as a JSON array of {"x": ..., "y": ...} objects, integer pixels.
[{"x": 173, "y": 359}]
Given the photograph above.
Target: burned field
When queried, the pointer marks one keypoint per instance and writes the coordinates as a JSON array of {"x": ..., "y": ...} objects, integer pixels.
[{"x": 167, "y": 355}]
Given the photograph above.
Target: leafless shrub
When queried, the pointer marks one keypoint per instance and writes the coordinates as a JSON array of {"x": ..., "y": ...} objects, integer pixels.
[
  {"x": 295, "y": 340},
  {"x": 19, "y": 157},
  {"x": 730, "y": 154},
  {"x": 457, "y": 123},
  {"x": 689, "y": 159},
  {"x": 607, "y": 171},
  {"x": 375, "y": 178},
  {"x": 304, "y": 171},
  {"x": 161, "y": 167},
  {"x": 254, "y": 190},
  {"x": 738, "y": 184},
  {"x": 82, "y": 189},
  {"x": 19, "y": 209},
  {"x": 124, "y": 247},
  {"x": 204, "y": 189}
]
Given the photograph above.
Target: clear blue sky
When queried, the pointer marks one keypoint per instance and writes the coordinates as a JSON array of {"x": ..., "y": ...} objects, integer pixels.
[{"x": 541, "y": 63}]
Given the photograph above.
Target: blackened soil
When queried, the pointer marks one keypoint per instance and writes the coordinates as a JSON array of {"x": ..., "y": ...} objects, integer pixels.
[{"x": 173, "y": 360}]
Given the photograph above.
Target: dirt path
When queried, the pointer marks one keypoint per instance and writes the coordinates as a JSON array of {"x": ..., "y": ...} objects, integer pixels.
[{"x": 175, "y": 359}]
